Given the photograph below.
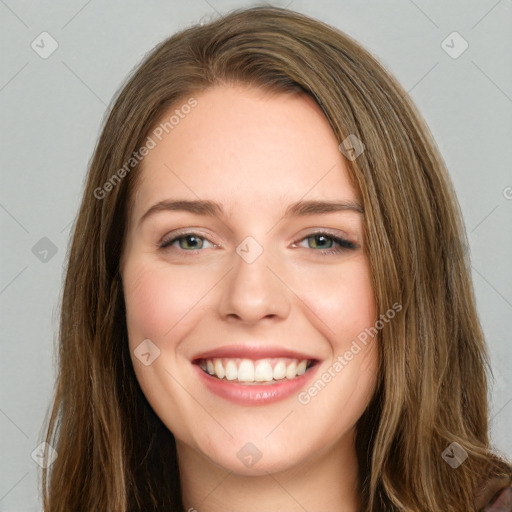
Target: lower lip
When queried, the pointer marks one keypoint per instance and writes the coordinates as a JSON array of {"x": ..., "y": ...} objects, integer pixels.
[{"x": 254, "y": 394}]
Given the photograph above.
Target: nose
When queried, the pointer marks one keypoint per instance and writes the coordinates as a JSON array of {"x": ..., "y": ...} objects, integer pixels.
[{"x": 254, "y": 291}]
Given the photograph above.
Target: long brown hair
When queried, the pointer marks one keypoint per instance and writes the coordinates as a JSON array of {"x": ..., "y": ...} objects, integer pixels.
[{"x": 114, "y": 453}]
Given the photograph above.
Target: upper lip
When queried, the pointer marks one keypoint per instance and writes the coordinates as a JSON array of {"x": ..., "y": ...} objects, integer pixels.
[{"x": 252, "y": 352}]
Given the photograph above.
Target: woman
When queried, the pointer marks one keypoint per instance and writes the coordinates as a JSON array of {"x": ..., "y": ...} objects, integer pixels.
[{"x": 213, "y": 353}]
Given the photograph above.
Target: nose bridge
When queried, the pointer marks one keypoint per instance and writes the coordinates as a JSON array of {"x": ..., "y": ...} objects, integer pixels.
[{"x": 253, "y": 291}]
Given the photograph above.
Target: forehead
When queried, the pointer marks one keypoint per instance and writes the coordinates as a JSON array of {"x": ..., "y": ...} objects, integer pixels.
[{"x": 242, "y": 145}]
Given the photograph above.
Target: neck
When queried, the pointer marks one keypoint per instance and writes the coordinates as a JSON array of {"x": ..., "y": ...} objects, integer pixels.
[{"x": 327, "y": 482}]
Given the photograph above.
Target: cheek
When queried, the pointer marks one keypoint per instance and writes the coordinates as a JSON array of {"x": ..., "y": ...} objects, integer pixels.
[
  {"x": 345, "y": 383},
  {"x": 343, "y": 300},
  {"x": 145, "y": 297},
  {"x": 156, "y": 300},
  {"x": 164, "y": 303}
]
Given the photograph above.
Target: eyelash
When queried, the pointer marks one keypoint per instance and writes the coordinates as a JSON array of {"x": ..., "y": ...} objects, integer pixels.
[{"x": 343, "y": 245}]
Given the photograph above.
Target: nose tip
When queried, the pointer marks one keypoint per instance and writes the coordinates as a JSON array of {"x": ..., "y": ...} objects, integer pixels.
[{"x": 252, "y": 291}]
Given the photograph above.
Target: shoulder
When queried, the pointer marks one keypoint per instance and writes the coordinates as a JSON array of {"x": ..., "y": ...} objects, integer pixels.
[{"x": 496, "y": 496}]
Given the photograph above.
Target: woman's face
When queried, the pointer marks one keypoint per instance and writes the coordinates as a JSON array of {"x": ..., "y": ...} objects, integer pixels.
[{"x": 245, "y": 289}]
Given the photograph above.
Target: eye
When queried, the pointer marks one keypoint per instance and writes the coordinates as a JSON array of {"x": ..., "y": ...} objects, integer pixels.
[
  {"x": 322, "y": 242},
  {"x": 329, "y": 243},
  {"x": 187, "y": 241}
]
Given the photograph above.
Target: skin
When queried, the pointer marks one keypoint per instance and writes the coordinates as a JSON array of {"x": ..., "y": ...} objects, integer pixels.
[{"x": 255, "y": 154}]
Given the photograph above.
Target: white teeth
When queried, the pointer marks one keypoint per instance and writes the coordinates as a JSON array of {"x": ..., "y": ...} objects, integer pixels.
[
  {"x": 249, "y": 371},
  {"x": 231, "y": 370},
  {"x": 263, "y": 371},
  {"x": 246, "y": 371},
  {"x": 301, "y": 367},
  {"x": 279, "y": 371},
  {"x": 219, "y": 369},
  {"x": 291, "y": 370}
]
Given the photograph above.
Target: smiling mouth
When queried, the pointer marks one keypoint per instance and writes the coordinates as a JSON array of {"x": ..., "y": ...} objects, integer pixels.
[{"x": 255, "y": 372}]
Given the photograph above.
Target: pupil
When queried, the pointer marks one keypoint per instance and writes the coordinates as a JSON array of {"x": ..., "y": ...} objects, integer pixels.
[
  {"x": 319, "y": 237},
  {"x": 191, "y": 237}
]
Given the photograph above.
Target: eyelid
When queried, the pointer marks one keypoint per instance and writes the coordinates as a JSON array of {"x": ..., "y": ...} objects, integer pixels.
[
  {"x": 181, "y": 233},
  {"x": 335, "y": 233},
  {"x": 342, "y": 242}
]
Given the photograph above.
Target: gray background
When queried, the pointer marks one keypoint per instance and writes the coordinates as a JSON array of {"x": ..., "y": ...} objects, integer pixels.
[{"x": 52, "y": 110}]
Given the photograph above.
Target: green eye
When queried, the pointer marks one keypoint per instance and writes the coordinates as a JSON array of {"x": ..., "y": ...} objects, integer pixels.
[
  {"x": 187, "y": 242},
  {"x": 320, "y": 239}
]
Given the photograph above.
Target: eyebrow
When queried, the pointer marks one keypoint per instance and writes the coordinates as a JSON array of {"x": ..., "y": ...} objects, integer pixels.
[{"x": 215, "y": 209}]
